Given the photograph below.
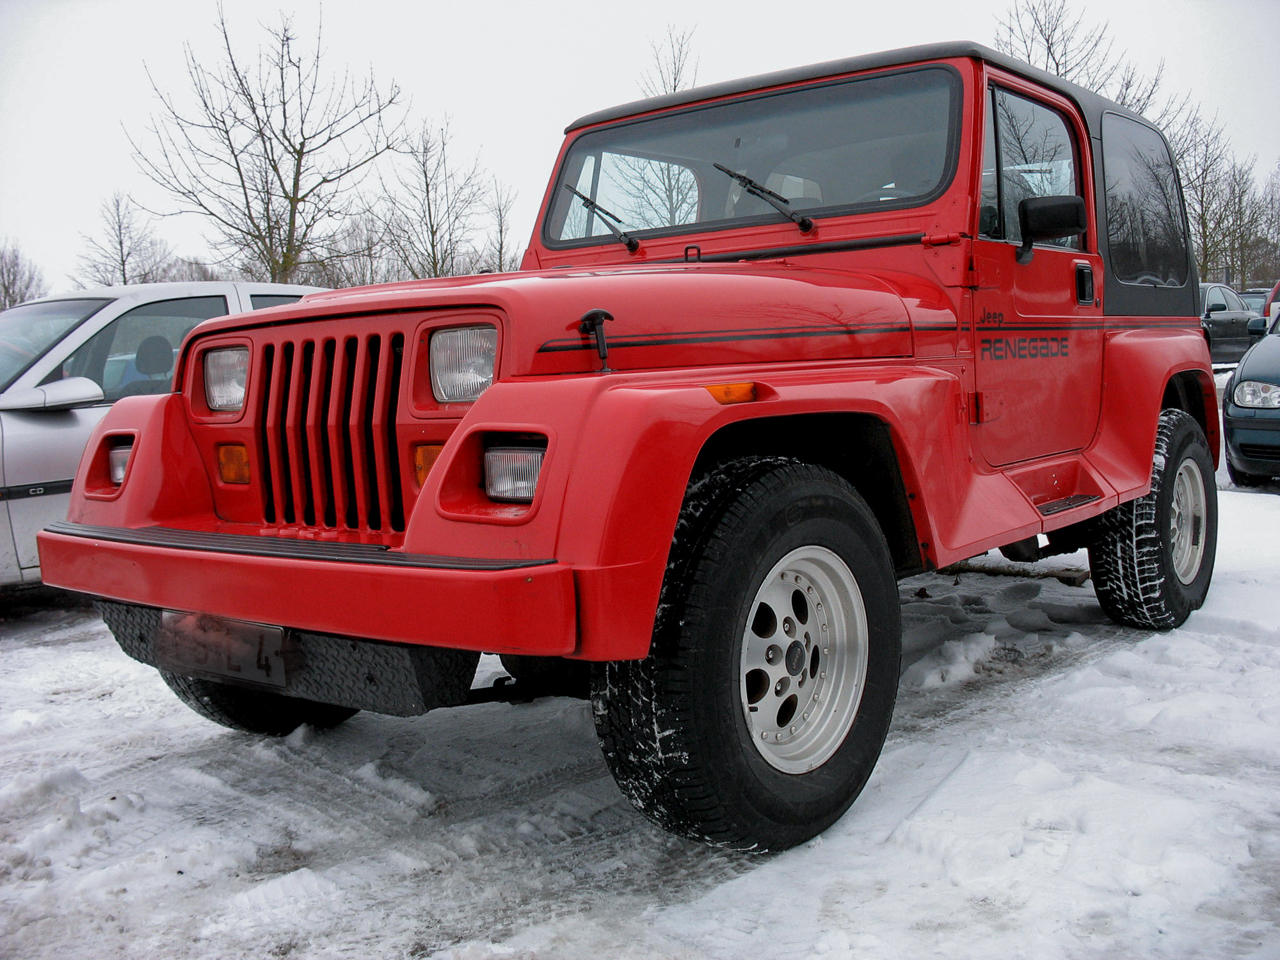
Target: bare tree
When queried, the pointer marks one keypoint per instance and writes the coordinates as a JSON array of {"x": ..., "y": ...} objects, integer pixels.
[
  {"x": 1049, "y": 35},
  {"x": 359, "y": 256},
  {"x": 20, "y": 279},
  {"x": 1204, "y": 159},
  {"x": 433, "y": 211},
  {"x": 500, "y": 255},
  {"x": 670, "y": 70},
  {"x": 182, "y": 268},
  {"x": 271, "y": 150},
  {"x": 127, "y": 250}
]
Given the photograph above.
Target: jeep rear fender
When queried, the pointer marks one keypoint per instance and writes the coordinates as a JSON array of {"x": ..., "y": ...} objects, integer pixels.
[{"x": 1138, "y": 366}]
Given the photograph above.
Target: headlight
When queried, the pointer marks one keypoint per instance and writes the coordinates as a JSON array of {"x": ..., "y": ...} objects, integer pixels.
[
  {"x": 462, "y": 360},
  {"x": 225, "y": 373},
  {"x": 1251, "y": 393},
  {"x": 511, "y": 473}
]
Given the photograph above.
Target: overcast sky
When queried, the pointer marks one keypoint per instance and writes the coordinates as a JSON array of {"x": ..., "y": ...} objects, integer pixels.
[{"x": 73, "y": 77}]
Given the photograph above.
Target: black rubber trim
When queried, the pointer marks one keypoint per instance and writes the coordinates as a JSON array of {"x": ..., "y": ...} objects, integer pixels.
[
  {"x": 29, "y": 490},
  {"x": 290, "y": 549},
  {"x": 1066, "y": 503},
  {"x": 722, "y": 336},
  {"x": 802, "y": 249}
]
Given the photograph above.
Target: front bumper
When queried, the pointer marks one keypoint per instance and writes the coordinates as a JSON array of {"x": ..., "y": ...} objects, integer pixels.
[
  {"x": 1253, "y": 440},
  {"x": 507, "y": 606}
]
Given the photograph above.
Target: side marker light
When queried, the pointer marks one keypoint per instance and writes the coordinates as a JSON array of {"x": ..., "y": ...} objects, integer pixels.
[{"x": 732, "y": 392}]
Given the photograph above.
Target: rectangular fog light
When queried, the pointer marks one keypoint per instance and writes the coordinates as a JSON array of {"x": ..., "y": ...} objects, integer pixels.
[
  {"x": 118, "y": 462},
  {"x": 511, "y": 473}
]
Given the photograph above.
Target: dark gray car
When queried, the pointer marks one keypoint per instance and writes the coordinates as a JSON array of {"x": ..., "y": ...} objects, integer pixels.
[{"x": 1225, "y": 319}]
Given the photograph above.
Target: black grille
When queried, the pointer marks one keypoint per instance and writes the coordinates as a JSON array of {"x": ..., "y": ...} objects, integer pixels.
[
  {"x": 1257, "y": 451},
  {"x": 327, "y": 415}
]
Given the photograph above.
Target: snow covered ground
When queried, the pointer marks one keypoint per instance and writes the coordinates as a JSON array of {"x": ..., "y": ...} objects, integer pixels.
[{"x": 1053, "y": 786}]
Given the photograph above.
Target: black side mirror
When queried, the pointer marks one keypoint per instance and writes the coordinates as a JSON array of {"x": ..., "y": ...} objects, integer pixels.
[
  {"x": 1216, "y": 308},
  {"x": 1048, "y": 218},
  {"x": 1257, "y": 328}
]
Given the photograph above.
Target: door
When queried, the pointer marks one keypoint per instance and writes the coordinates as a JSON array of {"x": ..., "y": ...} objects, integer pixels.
[{"x": 1037, "y": 324}]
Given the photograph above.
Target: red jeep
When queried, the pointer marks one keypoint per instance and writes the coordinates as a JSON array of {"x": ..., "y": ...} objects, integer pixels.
[{"x": 775, "y": 344}]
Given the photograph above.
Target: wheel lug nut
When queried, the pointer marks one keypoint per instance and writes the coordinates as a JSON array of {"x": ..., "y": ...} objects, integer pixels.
[{"x": 793, "y": 729}]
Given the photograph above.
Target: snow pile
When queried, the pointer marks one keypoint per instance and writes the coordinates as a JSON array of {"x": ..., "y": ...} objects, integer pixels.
[{"x": 1054, "y": 786}]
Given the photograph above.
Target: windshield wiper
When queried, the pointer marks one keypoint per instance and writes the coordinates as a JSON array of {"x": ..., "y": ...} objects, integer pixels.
[
  {"x": 605, "y": 216},
  {"x": 779, "y": 203}
]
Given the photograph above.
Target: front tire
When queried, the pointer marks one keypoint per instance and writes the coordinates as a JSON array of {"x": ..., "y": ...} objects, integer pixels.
[
  {"x": 254, "y": 711},
  {"x": 763, "y": 705},
  {"x": 1153, "y": 557}
]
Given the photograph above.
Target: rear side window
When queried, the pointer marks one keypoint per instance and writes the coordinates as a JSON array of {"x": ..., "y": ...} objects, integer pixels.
[
  {"x": 1145, "y": 230},
  {"x": 260, "y": 301}
]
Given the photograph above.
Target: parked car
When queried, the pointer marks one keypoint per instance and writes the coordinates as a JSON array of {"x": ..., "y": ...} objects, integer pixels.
[
  {"x": 1251, "y": 413},
  {"x": 1255, "y": 298},
  {"x": 63, "y": 361},
  {"x": 1225, "y": 320}
]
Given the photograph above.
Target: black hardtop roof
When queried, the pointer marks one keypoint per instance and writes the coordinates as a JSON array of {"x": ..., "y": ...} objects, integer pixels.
[{"x": 1091, "y": 104}]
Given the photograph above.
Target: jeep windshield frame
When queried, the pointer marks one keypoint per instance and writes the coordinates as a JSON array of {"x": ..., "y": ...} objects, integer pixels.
[{"x": 883, "y": 141}]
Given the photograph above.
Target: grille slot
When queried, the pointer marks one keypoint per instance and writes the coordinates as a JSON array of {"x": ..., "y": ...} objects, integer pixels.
[
  {"x": 327, "y": 409},
  {"x": 1257, "y": 451}
]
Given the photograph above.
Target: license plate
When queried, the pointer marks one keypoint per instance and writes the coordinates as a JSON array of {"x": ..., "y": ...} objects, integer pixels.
[{"x": 198, "y": 644}]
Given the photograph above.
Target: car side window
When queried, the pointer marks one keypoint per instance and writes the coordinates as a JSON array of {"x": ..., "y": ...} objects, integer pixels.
[
  {"x": 1214, "y": 298},
  {"x": 1233, "y": 300},
  {"x": 1028, "y": 152},
  {"x": 134, "y": 354}
]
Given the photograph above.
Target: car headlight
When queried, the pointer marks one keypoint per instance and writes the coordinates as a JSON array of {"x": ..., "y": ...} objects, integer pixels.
[
  {"x": 226, "y": 371},
  {"x": 462, "y": 361},
  {"x": 1251, "y": 393}
]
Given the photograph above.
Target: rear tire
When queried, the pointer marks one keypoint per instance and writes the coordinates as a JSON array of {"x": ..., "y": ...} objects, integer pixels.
[
  {"x": 763, "y": 705},
  {"x": 254, "y": 711},
  {"x": 1153, "y": 557}
]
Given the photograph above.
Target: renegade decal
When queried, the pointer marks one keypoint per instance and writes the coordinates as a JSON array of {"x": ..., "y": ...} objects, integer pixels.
[{"x": 1024, "y": 348}]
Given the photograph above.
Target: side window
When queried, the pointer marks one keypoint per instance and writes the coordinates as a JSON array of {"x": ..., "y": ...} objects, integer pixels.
[
  {"x": 1233, "y": 301},
  {"x": 1146, "y": 236},
  {"x": 1215, "y": 299},
  {"x": 1029, "y": 152},
  {"x": 135, "y": 352}
]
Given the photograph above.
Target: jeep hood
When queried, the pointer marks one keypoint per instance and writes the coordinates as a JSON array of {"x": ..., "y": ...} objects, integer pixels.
[{"x": 663, "y": 316}]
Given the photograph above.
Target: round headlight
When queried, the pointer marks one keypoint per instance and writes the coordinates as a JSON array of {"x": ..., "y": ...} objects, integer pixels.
[
  {"x": 462, "y": 360},
  {"x": 226, "y": 371},
  {"x": 1252, "y": 393}
]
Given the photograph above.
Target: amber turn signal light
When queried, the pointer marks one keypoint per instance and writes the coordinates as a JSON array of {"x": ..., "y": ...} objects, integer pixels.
[
  {"x": 732, "y": 392},
  {"x": 233, "y": 463},
  {"x": 424, "y": 458}
]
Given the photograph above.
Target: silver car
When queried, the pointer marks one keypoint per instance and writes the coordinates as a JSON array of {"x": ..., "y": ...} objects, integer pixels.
[{"x": 63, "y": 361}]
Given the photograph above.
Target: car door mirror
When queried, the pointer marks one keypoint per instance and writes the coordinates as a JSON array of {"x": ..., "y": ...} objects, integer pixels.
[
  {"x": 1215, "y": 308},
  {"x": 1049, "y": 218},
  {"x": 58, "y": 395},
  {"x": 1257, "y": 328}
]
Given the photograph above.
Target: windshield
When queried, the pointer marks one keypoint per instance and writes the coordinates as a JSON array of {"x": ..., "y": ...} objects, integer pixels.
[
  {"x": 1254, "y": 301},
  {"x": 845, "y": 147},
  {"x": 27, "y": 331}
]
